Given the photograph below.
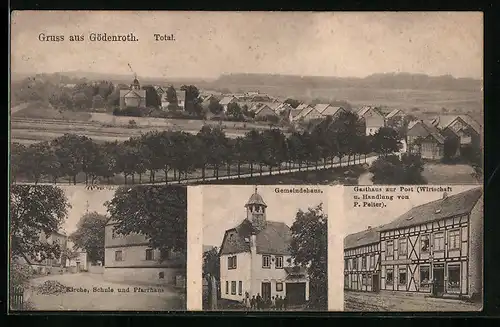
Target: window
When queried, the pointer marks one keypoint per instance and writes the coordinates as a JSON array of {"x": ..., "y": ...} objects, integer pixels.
[
  {"x": 355, "y": 264},
  {"x": 346, "y": 264},
  {"x": 227, "y": 287},
  {"x": 363, "y": 262},
  {"x": 403, "y": 247},
  {"x": 279, "y": 287},
  {"x": 118, "y": 255},
  {"x": 279, "y": 262},
  {"x": 454, "y": 239},
  {"x": 372, "y": 261},
  {"x": 389, "y": 278},
  {"x": 424, "y": 276},
  {"x": 231, "y": 262},
  {"x": 161, "y": 275},
  {"x": 149, "y": 254},
  {"x": 424, "y": 243},
  {"x": 233, "y": 287},
  {"x": 439, "y": 242},
  {"x": 390, "y": 249},
  {"x": 240, "y": 287},
  {"x": 364, "y": 280},
  {"x": 266, "y": 261},
  {"x": 454, "y": 277},
  {"x": 402, "y": 276}
]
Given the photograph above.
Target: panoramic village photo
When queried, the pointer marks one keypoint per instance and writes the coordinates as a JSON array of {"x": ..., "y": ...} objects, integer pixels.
[
  {"x": 422, "y": 251},
  {"x": 75, "y": 249},
  {"x": 344, "y": 98},
  {"x": 265, "y": 248}
]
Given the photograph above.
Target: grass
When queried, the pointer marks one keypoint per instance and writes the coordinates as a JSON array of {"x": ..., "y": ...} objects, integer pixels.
[{"x": 439, "y": 173}]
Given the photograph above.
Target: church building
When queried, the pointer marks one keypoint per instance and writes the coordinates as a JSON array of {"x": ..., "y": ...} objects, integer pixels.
[
  {"x": 135, "y": 97},
  {"x": 255, "y": 259}
]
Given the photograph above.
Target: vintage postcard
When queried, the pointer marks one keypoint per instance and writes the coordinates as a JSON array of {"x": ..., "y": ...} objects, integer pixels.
[
  {"x": 74, "y": 249},
  {"x": 329, "y": 98},
  {"x": 413, "y": 248},
  {"x": 265, "y": 248}
]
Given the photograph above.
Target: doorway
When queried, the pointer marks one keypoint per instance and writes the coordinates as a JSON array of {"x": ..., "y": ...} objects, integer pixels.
[
  {"x": 296, "y": 293},
  {"x": 375, "y": 283},
  {"x": 266, "y": 291},
  {"x": 438, "y": 286}
]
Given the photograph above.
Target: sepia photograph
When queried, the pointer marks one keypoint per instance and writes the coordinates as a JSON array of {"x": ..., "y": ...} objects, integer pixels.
[
  {"x": 265, "y": 248},
  {"x": 74, "y": 249},
  {"x": 413, "y": 248},
  {"x": 331, "y": 98}
]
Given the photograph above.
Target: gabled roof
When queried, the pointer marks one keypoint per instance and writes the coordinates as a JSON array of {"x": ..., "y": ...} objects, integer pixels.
[
  {"x": 307, "y": 111},
  {"x": 393, "y": 113},
  {"x": 363, "y": 238},
  {"x": 430, "y": 130},
  {"x": 331, "y": 110},
  {"x": 227, "y": 100},
  {"x": 453, "y": 205},
  {"x": 444, "y": 121},
  {"x": 294, "y": 112},
  {"x": 302, "y": 106},
  {"x": 275, "y": 238},
  {"x": 320, "y": 107},
  {"x": 364, "y": 110},
  {"x": 133, "y": 93}
]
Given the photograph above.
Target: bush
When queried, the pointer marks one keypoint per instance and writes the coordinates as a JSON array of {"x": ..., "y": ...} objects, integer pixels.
[{"x": 20, "y": 274}]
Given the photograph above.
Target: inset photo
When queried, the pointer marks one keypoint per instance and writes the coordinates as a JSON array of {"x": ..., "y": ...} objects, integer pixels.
[
  {"x": 413, "y": 248},
  {"x": 265, "y": 248},
  {"x": 75, "y": 249}
]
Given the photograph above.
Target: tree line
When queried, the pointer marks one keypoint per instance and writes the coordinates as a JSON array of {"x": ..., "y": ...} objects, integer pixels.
[{"x": 182, "y": 153}]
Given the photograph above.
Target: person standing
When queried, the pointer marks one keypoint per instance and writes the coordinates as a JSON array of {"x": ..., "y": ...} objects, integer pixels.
[
  {"x": 273, "y": 303},
  {"x": 259, "y": 302},
  {"x": 253, "y": 303},
  {"x": 285, "y": 302}
]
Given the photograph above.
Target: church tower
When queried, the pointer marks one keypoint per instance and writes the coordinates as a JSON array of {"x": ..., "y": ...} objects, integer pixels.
[
  {"x": 135, "y": 84},
  {"x": 256, "y": 211}
]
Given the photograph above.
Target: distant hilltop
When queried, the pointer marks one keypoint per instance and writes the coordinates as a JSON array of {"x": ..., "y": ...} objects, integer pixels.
[
  {"x": 378, "y": 81},
  {"x": 384, "y": 81}
]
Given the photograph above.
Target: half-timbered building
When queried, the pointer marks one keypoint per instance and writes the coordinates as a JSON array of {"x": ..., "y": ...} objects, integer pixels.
[
  {"x": 362, "y": 261},
  {"x": 435, "y": 248}
]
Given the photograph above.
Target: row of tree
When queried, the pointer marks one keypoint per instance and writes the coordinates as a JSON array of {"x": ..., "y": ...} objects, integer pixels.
[{"x": 183, "y": 153}]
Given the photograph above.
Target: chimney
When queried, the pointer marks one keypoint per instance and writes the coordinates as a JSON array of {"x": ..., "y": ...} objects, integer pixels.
[{"x": 445, "y": 195}]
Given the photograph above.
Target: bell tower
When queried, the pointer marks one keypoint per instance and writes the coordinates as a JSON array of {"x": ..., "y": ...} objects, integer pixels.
[{"x": 256, "y": 211}]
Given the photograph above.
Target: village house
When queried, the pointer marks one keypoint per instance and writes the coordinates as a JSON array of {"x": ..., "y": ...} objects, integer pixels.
[
  {"x": 436, "y": 248},
  {"x": 282, "y": 107},
  {"x": 181, "y": 99},
  {"x": 362, "y": 261},
  {"x": 52, "y": 265},
  {"x": 80, "y": 262},
  {"x": 394, "y": 118},
  {"x": 426, "y": 139},
  {"x": 293, "y": 114},
  {"x": 134, "y": 97},
  {"x": 464, "y": 126},
  {"x": 332, "y": 111},
  {"x": 130, "y": 258},
  {"x": 255, "y": 259},
  {"x": 308, "y": 114},
  {"x": 264, "y": 111},
  {"x": 373, "y": 119},
  {"x": 225, "y": 101}
]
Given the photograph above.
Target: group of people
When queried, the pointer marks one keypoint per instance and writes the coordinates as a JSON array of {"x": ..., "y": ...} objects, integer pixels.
[{"x": 259, "y": 303}]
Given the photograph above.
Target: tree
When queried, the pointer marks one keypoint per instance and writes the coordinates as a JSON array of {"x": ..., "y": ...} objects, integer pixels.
[
  {"x": 68, "y": 151},
  {"x": 234, "y": 111},
  {"x": 152, "y": 97},
  {"x": 393, "y": 170},
  {"x": 36, "y": 211},
  {"x": 274, "y": 150},
  {"x": 193, "y": 101},
  {"x": 211, "y": 272},
  {"x": 89, "y": 235},
  {"x": 158, "y": 213},
  {"x": 215, "y": 107},
  {"x": 171, "y": 96},
  {"x": 386, "y": 141},
  {"x": 309, "y": 248},
  {"x": 292, "y": 102},
  {"x": 17, "y": 151},
  {"x": 39, "y": 160}
]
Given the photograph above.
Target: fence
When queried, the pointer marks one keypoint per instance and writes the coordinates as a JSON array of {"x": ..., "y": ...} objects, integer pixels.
[{"x": 17, "y": 298}]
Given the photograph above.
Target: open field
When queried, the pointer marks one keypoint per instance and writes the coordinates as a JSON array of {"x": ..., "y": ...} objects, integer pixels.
[{"x": 106, "y": 127}]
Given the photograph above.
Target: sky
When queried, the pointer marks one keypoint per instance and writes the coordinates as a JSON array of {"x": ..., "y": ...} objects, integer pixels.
[
  {"x": 79, "y": 197},
  {"x": 223, "y": 207},
  {"x": 342, "y": 44},
  {"x": 358, "y": 219}
]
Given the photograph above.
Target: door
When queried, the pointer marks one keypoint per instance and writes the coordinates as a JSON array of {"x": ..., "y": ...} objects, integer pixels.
[
  {"x": 375, "y": 283},
  {"x": 438, "y": 285},
  {"x": 266, "y": 291},
  {"x": 78, "y": 267},
  {"x": 296, "y": 293}
]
